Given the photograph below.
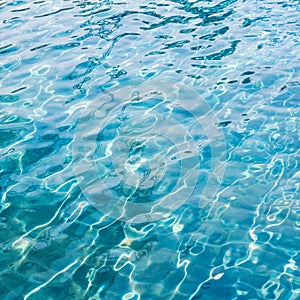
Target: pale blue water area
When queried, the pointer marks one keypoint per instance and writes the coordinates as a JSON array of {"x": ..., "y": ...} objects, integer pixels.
[{"x": 149, "y": 150}]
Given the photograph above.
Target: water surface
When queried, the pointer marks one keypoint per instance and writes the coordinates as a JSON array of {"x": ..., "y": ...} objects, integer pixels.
[{"x": 149, "y": 150}]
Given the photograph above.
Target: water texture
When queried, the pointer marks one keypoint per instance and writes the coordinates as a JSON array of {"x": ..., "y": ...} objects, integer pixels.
[{"x": 149, "y": 149}]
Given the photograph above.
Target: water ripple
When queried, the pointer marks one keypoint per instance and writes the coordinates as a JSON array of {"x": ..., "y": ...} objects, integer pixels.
[{"x": 148, "y": 103}]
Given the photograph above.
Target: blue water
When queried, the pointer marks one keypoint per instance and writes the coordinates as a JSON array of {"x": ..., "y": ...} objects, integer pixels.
[{"x": 149, "y": 149}]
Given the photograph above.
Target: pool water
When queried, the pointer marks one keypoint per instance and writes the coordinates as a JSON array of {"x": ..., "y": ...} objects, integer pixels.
[{"x": 149, "y": 149}]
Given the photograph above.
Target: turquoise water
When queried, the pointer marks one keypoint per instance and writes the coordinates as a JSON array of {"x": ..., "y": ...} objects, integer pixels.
[{"x": 149, "y": 150}]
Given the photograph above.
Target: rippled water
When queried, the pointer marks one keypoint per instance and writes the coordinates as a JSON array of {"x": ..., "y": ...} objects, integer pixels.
[{"x": 149, "y": 150}]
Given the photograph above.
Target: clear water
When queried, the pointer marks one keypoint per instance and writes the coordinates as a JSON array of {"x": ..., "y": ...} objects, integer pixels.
[{"x": 149, "y": 149}]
